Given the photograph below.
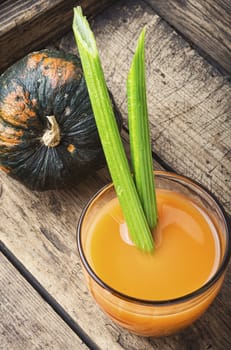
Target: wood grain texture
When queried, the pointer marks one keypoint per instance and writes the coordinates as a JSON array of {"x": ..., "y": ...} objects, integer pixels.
[
  {"x": 189, "y": 100},
  {"x": 189, "y": 110},
  {"x": 27, "y": 25},
  {"x": 42, "y": 234},
  {"x": 40, "y": 229},
  {"x": 207, "y": 24},
  {"x": 27, "y": 322}
]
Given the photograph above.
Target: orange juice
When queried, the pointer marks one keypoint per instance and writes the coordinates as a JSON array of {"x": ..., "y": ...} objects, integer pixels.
[
  {"x": 162, "y": 292},
  {"x": 186, "y": 250}
]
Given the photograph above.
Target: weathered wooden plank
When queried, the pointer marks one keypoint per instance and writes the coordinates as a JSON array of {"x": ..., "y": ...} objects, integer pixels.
[
  {"x": 189, "y": 100},
  {"x": 41, "y": 232},
  {"x": 207, "y": 24},
  {"x": 27, "y": 322},
  {"x": 40, "y": 227},
  {"x": 27, "y": 25}
]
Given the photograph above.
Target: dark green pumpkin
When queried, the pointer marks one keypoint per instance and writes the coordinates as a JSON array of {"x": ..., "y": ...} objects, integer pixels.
[{"x": 48, "y": 135}]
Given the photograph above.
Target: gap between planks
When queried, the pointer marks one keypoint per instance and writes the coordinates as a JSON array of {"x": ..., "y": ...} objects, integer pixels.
[{"x": 58, "y": 309}]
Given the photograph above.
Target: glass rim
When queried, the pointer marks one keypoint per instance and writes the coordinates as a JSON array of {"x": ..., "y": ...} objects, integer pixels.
[{"x": 187, "y": 297}]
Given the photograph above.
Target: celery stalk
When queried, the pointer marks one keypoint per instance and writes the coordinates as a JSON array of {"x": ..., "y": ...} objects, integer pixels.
[
  {"x": 109, "y": 134},
  {"x": 139, "y": 134}
]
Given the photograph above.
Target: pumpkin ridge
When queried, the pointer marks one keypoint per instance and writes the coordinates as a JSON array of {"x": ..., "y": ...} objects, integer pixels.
[
  {"x": 34, "y": 59},
  {"x": 15, "y": 108}
]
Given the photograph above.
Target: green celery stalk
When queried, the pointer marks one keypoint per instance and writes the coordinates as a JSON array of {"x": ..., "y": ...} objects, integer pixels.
[
  {"x": 109, "y": 134},
  {"x": 139, "y": 134}
]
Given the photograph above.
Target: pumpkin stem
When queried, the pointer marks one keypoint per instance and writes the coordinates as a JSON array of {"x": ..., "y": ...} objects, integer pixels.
[{"x": 52, "y": 137}]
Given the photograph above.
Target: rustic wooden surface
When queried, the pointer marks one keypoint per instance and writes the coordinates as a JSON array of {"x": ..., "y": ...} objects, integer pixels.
[
  {"x": 189, "y": 100},
  {"x": 207, "y": 24},
  {"x": 189, "y": 105},
  {"x": 27, "y": 321},
  {"x": 26, "y": 25},
  {"x": 41, "y": 233}
]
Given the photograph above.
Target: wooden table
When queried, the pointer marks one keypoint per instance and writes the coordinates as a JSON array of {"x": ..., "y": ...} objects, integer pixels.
[{"x": 44, "y": 303}]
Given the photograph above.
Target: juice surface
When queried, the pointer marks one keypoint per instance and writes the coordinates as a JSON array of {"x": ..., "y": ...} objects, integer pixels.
[{"x": 186, "y": 250}]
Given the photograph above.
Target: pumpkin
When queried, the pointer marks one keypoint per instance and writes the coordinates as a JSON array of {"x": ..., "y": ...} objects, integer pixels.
[{"x": 48, "y": 135}]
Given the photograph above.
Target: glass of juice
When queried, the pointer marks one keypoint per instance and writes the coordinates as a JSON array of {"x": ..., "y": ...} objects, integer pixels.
[{"x": 158, "y": 293}]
